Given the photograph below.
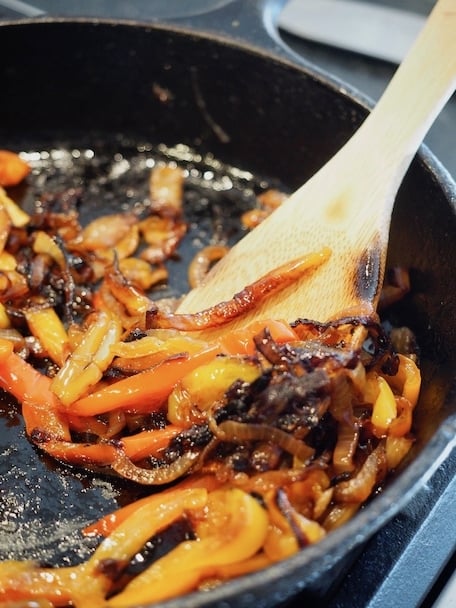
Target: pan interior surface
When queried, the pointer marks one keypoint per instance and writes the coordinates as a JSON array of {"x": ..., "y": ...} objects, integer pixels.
[{"x": 39, "y": 495}]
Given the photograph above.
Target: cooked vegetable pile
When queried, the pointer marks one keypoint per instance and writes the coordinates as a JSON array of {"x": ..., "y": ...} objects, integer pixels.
[{"x": 256, "y": 441}]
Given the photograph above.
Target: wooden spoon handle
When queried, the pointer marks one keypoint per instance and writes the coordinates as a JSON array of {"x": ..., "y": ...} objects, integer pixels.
[
  {"x": 367, "y": 172},
  {"x": 418, "y": 91}
]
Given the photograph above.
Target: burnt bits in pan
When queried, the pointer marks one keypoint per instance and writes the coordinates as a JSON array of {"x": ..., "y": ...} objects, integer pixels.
[{"x": 117, "y": 180}]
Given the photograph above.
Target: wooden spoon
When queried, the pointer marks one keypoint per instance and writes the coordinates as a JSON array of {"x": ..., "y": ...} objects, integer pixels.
[{"x": 346, "y": 206}]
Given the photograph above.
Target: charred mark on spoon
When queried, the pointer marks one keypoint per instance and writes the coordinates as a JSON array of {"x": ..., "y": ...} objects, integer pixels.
[{"x": 369, "y": 272}]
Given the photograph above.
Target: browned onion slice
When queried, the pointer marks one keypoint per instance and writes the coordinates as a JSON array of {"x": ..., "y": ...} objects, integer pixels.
[
  {"x": 243, "y": 301},
  {"x": 202, "y": 262},
  {"x": 359, "y": 488},
  {"x": 231, "y": 430},
  {"x": 124, "y": 467}
]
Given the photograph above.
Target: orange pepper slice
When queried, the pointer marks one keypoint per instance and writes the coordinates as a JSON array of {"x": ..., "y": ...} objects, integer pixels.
[{"x": 12, "y": 168}]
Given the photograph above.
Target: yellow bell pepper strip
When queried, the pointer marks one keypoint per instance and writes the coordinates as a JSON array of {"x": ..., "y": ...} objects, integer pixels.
[
  {"x": 19, "y": 218},
  {"x": 201, "y": 388},
  {"x": 45, "y": 325},
  {"x": 384, "y": 410},
  {"x": 41, "y": 408},
  {"x": 44, "y": 243},
  {"x": 110, "y": 522},
  {"x": 5, "y": 227},
  {"x": 407, "y": 381},
  {"x": 88, "y": 584},
  {"x": 233, "y": 530},
  {"x": 8, "y": 262},
  {"x": 152, "y": 517},
  {"x": 241, "y": 568},
  {"x": 5, "y": 321}
]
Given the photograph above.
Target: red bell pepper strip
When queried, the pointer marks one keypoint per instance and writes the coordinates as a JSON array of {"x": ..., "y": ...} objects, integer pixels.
[
  {"x": 149, "y": 443},
  {"x": 143, "y": 392},
  {"x": 41, "y": 408},
  {"x": 240, "y": 341}
]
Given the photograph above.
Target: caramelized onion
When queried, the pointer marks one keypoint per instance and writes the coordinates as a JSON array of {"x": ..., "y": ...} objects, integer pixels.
[
  {"x": 345, "y": 448},
  {"x": 166, "y": 186},
  {"x": 402, "y": 424},
  {"x": 202, "y": 262},
  {"x": 230, "y": 430},
  {"x": 162, "y": 235},
  {"x": 160, "y": 475},
  {"x": 359, "y": 488},
  {"x": 244, "y": 301},
  {"x": 340, "y": 514},
  {"x": 107, "y": 231},
  {"x": 305, "y": 530},
  {"x": 267, "y": 201},
  {"x": 132, "y": 297}
]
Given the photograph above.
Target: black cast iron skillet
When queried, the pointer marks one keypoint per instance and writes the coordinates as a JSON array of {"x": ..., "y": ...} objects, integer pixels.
[{"x": 128, "y": 92}]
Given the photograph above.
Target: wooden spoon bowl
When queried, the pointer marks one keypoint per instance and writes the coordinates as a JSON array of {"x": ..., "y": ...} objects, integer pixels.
[{"x": 346, "y": 206}]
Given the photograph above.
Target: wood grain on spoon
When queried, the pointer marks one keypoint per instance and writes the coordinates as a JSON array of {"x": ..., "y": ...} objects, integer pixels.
[{"x": 347, "y": 205}]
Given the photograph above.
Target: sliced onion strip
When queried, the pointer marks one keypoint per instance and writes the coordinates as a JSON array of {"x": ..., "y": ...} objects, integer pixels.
[
  {"x": 157, "y": 476},
  {"x": 244, "y": 301},
  {"x": 230, "y": 430}
]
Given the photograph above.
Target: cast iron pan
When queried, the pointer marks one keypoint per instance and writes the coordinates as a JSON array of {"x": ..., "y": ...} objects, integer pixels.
[{"x": 93, "y": 102}]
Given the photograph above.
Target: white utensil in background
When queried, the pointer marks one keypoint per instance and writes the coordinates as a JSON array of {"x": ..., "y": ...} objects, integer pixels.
[{"x": 374, "y": 30}]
